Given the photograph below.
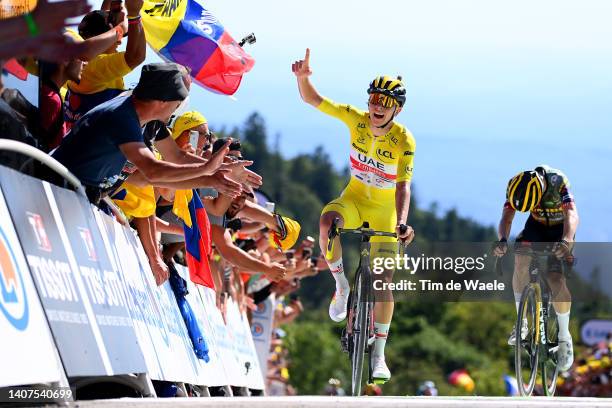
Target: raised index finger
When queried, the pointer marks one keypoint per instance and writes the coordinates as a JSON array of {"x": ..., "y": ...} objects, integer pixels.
[{"x": 307, "y": 56}]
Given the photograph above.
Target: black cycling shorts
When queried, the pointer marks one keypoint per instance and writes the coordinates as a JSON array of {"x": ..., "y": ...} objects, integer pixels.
[
  {"x": 538, "y": 236},
  {"x": 535, "y": 231}
]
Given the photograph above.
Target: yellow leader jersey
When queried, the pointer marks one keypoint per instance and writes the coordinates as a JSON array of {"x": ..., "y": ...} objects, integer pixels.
[{"x": 376, "y": 162}]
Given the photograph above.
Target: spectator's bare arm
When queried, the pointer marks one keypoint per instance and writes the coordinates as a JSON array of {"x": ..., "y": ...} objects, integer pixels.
[
  {"x": 165, "y": 174},
  {"x": 135, "y": 51},
  {"x": 146, "y": 232},
  {"x": 94, "y": 46},
  {"x": 223, "y": 242},
  {"x": 167, "y": 228},
  {"x": 52, "y": 47}
]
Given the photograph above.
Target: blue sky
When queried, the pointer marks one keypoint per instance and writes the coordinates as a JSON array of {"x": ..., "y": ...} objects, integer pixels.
[{"x": 493, "y": 88}]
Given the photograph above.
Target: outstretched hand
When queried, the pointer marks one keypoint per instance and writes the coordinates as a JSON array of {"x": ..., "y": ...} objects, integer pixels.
[
  {"x": 216, "y": 160},
  {"x": 51, "y": 17}
]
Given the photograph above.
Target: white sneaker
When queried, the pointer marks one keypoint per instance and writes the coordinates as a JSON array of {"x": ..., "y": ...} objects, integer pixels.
[
  {"x": 565, "y": 355},
  {"x": 337, "y": 307},
  {"x": 524, "y": 332},
  {"x": 380, "y": 371}
]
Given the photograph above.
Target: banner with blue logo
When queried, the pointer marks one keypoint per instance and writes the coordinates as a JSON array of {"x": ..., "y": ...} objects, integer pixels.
[
  {"x": 26, "y": 340},
  {"x": 78, "y": 299},
  {"x": 104, "y": 287},
  {"x": 59, "y": 289}
]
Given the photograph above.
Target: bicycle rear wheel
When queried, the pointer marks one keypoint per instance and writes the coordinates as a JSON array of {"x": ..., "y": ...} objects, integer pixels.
[
  {"x": 360, "y": 309},
  {"x": 548, "y": 365},
  {"x": 527, "y": 347}
]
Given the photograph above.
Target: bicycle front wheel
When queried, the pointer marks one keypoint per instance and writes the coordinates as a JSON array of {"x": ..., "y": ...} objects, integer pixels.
[
  {"x": 527, "y": 341},
  {"x": 360, "y": 309},
  {"x": 548, "y": 365}
]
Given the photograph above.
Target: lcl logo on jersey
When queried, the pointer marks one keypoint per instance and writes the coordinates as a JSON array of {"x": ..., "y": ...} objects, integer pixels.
[
  {"x": 13, "y": 300},
  {"x": 89, "y": 246},
  {"x": 384, "y": 154},
  {"x": 42, "y": 239}
]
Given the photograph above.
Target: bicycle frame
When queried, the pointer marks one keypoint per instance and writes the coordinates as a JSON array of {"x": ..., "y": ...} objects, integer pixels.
[
  {"x": 360, "y": 316},
  {"x": 543, "y": 349}
]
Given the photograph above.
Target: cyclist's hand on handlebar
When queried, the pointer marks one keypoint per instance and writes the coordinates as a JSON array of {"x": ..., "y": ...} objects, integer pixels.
[
  {"x": 562, "y": 249},
  {"x": 500, "y": 248},
  {"x": 404, "y": 233}
]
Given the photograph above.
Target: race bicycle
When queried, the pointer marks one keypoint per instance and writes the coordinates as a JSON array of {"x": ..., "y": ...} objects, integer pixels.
[
  {"x": 536, "y": 324},
  {"x": 358, "y": 337}
]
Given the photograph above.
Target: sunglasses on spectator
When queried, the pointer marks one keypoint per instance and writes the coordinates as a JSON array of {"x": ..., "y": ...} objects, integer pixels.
[
  {"x": 209, "y": 137},
  {"x": 385, "y": 101}
]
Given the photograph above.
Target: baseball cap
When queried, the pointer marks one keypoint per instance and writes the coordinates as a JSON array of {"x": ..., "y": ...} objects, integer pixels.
[
  {"x": 161, "y": 82},
  {"x": 187, "y": 121}
]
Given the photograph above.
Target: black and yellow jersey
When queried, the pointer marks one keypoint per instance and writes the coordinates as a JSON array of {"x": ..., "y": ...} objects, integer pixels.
[{"x": 555, "y": 198}]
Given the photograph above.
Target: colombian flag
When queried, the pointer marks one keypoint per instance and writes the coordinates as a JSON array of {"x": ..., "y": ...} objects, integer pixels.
[
  {"x": 198, "y": 242},
  {"x": 184, "y": 32}
]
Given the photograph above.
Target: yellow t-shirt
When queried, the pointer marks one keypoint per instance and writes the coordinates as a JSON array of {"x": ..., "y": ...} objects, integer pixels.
[
  {"x": 106, "y": 71},
  {"x": 377, "y": 163}
]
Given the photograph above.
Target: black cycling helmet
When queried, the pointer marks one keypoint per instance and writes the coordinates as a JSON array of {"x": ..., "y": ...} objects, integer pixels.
[
  {"x": 524, "y": 191},
  {"x": 386, "y": 85}
]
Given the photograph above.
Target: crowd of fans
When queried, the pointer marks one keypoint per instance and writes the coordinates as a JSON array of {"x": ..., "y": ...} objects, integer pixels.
[{"x": 142, "y": 157}]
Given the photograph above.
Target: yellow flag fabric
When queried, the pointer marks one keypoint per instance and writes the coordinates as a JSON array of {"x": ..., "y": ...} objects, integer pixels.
[
  {"x": 138, "y": 202},
  {"x": 181, "y": 205},
  {"x": 160, "y": 21}
]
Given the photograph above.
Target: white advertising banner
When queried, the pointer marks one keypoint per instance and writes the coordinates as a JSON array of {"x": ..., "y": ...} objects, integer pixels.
[
  {"x": 212, "y": 373},
  {"x": 244, "y": 349},
  {"x": 140, "y": 303},
  {"x": 262, "y": 322},
  {"x": 234, "y": 372},
  {"x": 26, "y": 339}
]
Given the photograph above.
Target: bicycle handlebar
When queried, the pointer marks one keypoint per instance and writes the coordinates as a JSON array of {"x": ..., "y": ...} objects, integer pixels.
[
  {"x": 566, "y": 263},
  {"x": 364, "y": 230}
]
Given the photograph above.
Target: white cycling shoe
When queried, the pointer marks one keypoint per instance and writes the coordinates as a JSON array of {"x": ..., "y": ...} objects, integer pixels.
[
  {"x": 380, "y": 371},
  {"x": 565, "y": 355},
  {"x": 338, "y": 305},
  {"x": 524, "y": 332}
]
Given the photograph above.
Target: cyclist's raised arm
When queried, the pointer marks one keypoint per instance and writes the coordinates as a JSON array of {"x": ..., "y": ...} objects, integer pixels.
[{"x": 302, "y": 71}]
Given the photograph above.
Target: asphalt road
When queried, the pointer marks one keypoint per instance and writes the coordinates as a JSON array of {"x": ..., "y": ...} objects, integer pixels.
[{"x": 354, "y": 402}]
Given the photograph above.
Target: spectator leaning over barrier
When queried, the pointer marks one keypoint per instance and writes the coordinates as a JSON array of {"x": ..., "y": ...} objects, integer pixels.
[
  {"x": 192, "y": 121},
  {"x": 102, "y": 141},
  {"x": 102, "y": 77},
  {"x": 181, "y": 155}
]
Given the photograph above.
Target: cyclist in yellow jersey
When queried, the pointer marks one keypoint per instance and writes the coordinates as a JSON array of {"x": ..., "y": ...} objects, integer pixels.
[{"x": 381, "y": 161}]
